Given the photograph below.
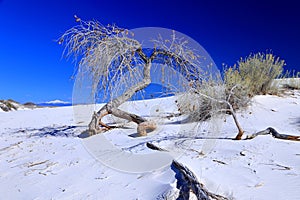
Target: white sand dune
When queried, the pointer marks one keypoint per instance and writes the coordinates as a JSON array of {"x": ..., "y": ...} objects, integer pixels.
[{"x": 41, "y": 156}]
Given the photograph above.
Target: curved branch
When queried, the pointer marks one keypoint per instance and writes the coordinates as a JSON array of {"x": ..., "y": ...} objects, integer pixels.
[{"x": 112, "y": 107}]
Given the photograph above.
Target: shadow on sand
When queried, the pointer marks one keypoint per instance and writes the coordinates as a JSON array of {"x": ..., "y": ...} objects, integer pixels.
[{"x": 56, "y": 131}]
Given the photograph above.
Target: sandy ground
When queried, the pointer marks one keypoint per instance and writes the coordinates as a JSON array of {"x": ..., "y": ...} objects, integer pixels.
[{"x": 41, "y": 156}]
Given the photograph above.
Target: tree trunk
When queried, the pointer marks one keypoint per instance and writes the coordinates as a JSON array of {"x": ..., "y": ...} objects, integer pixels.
[
  {"x": 239, "y": 127},
  {"x": 112, "y": 107}
]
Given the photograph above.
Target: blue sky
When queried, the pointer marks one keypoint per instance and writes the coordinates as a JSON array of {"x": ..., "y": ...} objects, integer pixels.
[{"x": 31, "y": 68}]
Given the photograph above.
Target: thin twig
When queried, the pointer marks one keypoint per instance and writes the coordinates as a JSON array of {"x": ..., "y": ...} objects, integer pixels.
[{"x": 38, "y": 163}]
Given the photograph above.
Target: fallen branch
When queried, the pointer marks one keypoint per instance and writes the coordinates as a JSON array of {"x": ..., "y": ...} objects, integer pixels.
[
  {"x": 220, "y": 162},
  {"x": 187, "y": 182},
  {"x": 279, "y": 167},
  {"x": 154, "y": 147},
  {"x": 11, "y": 146},
  {"x": 275, "y": 134},
  {"x": 283, "y": 136}
]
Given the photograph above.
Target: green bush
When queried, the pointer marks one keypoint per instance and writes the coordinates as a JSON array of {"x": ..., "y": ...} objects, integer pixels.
[{"x": 252, "y": 76}]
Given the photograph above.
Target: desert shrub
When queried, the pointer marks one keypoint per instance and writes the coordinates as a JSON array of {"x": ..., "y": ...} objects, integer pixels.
[
  {"x": 237, "y": 89},
  {"x": 256, "y": 72},
  {"x": 202, "y": 101},
  {"x": 6, "y": 105},
  {"x": 3, "y": 106},
  {"x": 251, "y": 76},
  {"x": 10, "y": 105},
  {"x": 12, "y": 101}
]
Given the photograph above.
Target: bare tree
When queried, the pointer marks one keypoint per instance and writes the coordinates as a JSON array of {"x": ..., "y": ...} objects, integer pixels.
[
  {"x": 109, "y": 52},
  {"x": 120, "y": 66}
]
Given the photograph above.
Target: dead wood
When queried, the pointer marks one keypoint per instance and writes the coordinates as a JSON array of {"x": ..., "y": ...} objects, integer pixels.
[
  {"x": 275, "y": 134},
  {"x": 187, "y": 182}
]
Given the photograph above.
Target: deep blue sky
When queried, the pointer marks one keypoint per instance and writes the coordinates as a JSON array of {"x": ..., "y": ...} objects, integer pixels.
[{"x": 31, "y": 68}]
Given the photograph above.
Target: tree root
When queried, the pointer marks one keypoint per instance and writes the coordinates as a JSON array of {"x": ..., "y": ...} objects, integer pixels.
[
  {"x": 275, "y": 134},
  {"x": 96, "y": 126}
]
